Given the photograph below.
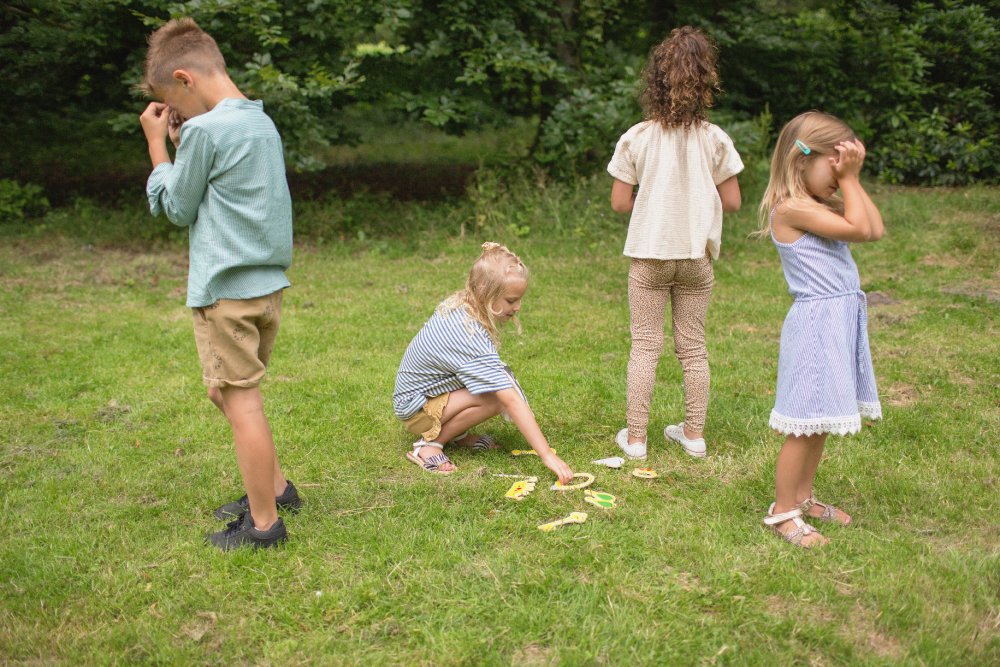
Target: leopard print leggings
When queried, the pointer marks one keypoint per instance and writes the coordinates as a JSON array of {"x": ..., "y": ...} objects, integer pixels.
[{"x": 687, "y": 284}]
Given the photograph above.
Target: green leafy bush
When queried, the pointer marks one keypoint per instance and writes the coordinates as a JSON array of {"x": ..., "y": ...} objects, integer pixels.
[
  {"x": 917, "y": 81},
  {"x": 20, "y": 202},
  {"x": 582, "y": 130}
]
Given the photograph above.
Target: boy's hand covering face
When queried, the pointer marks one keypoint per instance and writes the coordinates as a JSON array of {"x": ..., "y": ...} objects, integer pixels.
[
  {"x": 154, "y": 121},
  {"x": 174, "y": 122}
]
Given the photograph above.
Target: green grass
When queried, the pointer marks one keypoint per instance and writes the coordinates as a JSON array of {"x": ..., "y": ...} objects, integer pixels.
[
  {"x": 112, "y": 458},
  {"x": 385, "y": 140}
]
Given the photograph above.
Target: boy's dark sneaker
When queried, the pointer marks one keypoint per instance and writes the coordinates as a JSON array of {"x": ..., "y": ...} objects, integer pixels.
[
  {"x": 241, "y": 533},
  {"x": 288, "y": 500}
]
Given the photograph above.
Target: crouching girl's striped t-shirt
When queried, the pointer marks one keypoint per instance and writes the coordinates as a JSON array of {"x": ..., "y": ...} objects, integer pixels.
[{"x": 451, "y": 352}]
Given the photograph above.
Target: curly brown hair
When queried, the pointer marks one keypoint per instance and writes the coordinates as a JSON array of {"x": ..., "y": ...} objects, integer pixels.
[{"x": 680, "y": 78}]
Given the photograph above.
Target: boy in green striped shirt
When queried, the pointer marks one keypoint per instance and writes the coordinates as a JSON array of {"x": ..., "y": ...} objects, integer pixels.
[{"x": 227, "y": 185}]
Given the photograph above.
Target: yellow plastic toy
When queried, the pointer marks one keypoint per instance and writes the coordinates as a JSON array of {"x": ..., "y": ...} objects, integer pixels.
[
  {"x": 526, "y": 452},
  {"x": 645, "y": 473},
  {"x": 588, "y": 479},
  {"x": 520, "y": 489},
  {"x": 575, "y": 517},
  {"x": 600, "y": 499}
]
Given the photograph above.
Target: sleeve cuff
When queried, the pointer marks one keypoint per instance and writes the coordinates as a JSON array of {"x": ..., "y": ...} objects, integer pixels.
[
  {"x": 154, "y": 186},
  {"x": 621, "y": 175}
]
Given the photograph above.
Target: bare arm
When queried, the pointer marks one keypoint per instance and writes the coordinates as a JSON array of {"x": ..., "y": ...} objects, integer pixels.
[
  {"x": 878, "y": 229},
  {"x": 622, "y": 196},
  {"x": 861, "y": 220},
  {"x": 729, "y": 193},
  {"x": 524, "y": 419}
]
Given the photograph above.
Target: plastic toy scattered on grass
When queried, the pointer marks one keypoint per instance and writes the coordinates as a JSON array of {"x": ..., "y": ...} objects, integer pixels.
[
  {"x": 600, "y": 498},
  {"x": 575, "y": 517},
  {"x": 531, "y": 478},
  {"x": 520, "y": 489},
  {"x": 526, "y": 452},
  {"x": 645, "y": 473},
  {"x": 587, "y": 478},
  {"x": 613, "y": 462}
]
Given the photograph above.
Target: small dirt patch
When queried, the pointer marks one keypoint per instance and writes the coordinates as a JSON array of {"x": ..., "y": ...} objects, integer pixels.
[
  {"x": 533, "y": 655},
  {"x": 989, "y": 290},
  {"x": 862, "y": 631},
  {"x": 880, "y": 299},
  {"x": 901, "y": 395}
]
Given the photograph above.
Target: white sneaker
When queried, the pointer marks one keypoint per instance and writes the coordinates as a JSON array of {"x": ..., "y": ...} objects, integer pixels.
[
  {"x": 636, "y": 451},
  {"x": 675, "y": 432}
]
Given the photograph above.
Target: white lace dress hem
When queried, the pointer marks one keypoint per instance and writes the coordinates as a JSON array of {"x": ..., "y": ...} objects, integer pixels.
[{"x": 843, "y": 425}]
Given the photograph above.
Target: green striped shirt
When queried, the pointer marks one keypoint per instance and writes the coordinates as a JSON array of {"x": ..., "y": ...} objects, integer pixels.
[{"x": 227, "y": 185}]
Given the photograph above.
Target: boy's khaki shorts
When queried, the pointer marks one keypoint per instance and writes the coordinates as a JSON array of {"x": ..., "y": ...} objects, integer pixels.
[
  {"x": 427, "y": 422},
  {"x": 235, "y": 338}
]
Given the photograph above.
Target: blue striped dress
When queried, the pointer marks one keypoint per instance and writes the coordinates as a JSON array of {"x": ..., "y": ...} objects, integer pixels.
[
  {"x": 826, "y": 382},
  {"x": 451, "y": 352}
]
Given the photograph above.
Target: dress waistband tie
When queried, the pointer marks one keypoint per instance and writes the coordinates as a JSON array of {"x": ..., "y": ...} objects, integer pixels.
[
  {"x": 832, "y": 296},
  {"x": 863, "y": 304}
]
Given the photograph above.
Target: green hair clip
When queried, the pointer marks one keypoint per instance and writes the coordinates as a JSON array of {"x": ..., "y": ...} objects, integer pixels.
[{"x": 802, "y": 147}]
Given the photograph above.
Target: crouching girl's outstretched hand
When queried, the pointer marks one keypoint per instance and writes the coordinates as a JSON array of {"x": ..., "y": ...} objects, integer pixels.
[
  {"x": 524, "y": 419},
  {"x": 557, "y": 465}
]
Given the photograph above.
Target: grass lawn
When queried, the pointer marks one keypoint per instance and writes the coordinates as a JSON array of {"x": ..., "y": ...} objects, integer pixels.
[{"x": 111, "y": 457}]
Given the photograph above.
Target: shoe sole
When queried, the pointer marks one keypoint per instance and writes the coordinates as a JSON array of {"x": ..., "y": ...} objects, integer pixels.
[
  {"x": 224, "y": 542},
  {"x": 247, "y": 544}
]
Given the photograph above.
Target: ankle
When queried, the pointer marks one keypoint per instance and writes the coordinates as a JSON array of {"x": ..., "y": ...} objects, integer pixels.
[
  {"x": 781, "y": 508},
  {"x": 430, "y": 449},
  {"x": 692, "y": 434},
  {"x": 264, "y": 525}
]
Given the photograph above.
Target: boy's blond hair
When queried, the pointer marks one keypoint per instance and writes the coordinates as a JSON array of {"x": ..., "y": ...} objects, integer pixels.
[
  {"x": 488, "y": 278},
  {"x": 179, "y": 44},
  {"x": 812, "y": 131}
]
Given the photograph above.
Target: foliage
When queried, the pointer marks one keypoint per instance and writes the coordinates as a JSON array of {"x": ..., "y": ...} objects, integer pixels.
[
  {"x": 65, "y": 56},
  {"x": 20, "y": 202},
  {"x": 918, "y": 82},
  {"x": 299, "y": 57},
  {"x": 752, "y": 138},
  {"x": 583, "y": 127},
  {"x": 916, "y": 79},
  {"x": 62, "y": 57}
]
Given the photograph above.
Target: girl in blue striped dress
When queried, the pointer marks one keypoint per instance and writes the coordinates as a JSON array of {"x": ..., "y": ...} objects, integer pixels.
[
  {"x": 825, "y": 379},
  {"x": 451, "y": 378}
]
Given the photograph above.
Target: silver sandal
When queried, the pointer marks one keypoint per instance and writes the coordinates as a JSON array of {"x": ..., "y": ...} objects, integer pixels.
[
  {"x": 802, "y": 528},
  {"x": 829, "y": 511}
]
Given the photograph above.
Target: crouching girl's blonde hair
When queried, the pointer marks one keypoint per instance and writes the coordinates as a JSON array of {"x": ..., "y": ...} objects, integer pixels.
[{"x": 496, "y": 267}]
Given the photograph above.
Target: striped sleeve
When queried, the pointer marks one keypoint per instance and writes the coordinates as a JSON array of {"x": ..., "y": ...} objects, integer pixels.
[
  {"x": 178, "y": 189},
  {"x": 484, "y": 374}
]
